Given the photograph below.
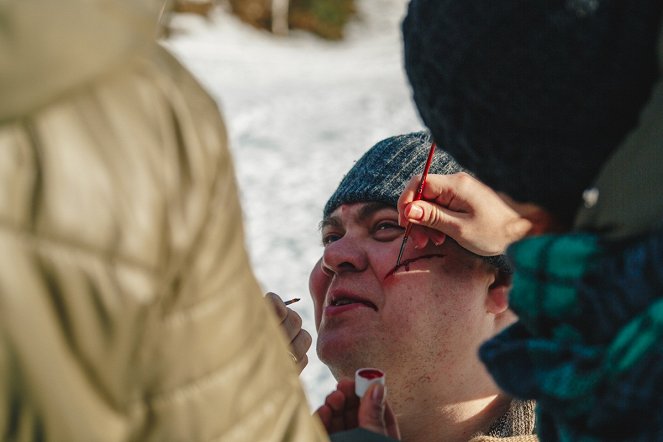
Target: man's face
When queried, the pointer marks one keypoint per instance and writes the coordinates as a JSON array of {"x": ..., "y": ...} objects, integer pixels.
[{"x": 431, "y": 314}]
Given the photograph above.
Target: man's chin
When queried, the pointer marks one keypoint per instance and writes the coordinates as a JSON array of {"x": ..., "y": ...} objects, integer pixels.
[{"x": 344, "y": 358}]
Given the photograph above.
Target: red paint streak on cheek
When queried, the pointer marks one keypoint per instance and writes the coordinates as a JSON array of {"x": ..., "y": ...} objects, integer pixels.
[{"x": 406, "y": 264}]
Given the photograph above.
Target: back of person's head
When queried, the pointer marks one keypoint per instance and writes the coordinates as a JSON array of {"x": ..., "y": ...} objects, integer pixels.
[
  {"x": 534, "y": 96},
  {"x": 382, "y": 173}
]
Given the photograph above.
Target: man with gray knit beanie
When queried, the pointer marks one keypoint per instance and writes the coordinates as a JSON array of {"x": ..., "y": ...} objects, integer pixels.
[
  {"x": 558, "y": 105},
  {"x": 421, "y": 322}
]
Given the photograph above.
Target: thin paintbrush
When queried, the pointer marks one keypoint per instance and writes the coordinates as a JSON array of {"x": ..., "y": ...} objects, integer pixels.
[{"x": 417, "y": 197}]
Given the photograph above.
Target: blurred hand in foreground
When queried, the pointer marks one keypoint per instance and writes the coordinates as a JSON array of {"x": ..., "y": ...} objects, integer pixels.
[
  {"x": 343, "y": 410},
  {"x": 463, "y": 208},
  {"x": 291, "y": 323}
]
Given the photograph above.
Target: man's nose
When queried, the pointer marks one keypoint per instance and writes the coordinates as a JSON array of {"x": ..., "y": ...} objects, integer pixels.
[{"x": 344, "y": 255}]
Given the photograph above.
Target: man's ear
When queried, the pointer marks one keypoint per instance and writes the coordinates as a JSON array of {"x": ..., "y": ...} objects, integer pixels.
[{"x": 497, "y": 301}]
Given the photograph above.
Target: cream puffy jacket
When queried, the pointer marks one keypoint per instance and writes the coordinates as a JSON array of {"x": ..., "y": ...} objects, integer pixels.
[{"x": 128, "y": 310}]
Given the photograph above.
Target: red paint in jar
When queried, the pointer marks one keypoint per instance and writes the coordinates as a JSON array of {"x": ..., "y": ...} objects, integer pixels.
[
  {"x": 370, "y": 373},
  {"x": 365, "y": 377}
]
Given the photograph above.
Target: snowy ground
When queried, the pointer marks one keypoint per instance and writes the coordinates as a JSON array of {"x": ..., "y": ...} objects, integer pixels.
[{"x": 299, "y": 111}]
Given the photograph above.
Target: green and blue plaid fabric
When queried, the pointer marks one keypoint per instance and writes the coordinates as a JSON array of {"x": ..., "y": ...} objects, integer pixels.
[{"x": 588, "y": 347}]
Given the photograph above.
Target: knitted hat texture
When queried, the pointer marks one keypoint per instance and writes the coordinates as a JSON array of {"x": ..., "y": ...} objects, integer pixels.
[
  {"x": 382, "y": 173},
  {"x": 532, "y": 95}
]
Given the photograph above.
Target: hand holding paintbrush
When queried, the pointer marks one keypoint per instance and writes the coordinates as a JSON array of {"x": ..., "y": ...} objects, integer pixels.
[
  {"x": 420, "y": 191},
  {"x": 291, "y": 323},
  {"x": 467, "y": 210}
]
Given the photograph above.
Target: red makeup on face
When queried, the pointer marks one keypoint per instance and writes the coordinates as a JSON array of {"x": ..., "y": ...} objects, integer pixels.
[
  {"x": 357, "y": 238},
  {"x": 406, "y": 264},
  {"x": 370, "y": 313}
]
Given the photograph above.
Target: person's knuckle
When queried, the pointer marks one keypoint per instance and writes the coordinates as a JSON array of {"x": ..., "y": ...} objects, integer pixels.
[
  {"x": 307, "y": 339},
  {"x": 462, "y": 181},
  {"x": 434, "y": 217},
  {"x": 296, "y": 320},
  {"x": 458, "y": 229},
  {"x": 463, "y": 176},
  {"x": 277, "y": 305}
]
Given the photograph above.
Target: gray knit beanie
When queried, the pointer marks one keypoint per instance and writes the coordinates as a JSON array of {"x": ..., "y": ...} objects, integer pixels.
[
  {"x": 381, "y": 174},
  {"x": 532, "y": 96}
]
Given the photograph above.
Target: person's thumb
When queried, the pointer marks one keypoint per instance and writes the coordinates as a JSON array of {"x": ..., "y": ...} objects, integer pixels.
[
  {"x": 371, "y": 410},
  {"x": 433, "y": 216}
]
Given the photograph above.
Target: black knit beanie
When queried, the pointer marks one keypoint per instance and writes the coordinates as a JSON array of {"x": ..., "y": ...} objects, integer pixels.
[
  {"x": 532, "y": 95},
  {"x": 381, "y": 174}
]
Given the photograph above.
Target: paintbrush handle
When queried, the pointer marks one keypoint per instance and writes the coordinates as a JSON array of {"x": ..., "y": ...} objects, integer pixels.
[
  {"x": 417, "y": 197},
  {"x": 405, "y": 236},
  {"x": 422, "y": 183}
]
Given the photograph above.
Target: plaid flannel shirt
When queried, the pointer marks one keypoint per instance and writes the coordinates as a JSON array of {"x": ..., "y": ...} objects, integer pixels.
[{"x": 588, "y": 347}]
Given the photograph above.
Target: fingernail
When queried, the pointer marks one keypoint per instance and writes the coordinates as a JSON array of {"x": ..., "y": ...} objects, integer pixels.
[
  {"x": 420, "y": 243},
  {"x": 439, "y": 238},
  {"x": 415, "y": 212},
  {"x": 378, "y": 393}
]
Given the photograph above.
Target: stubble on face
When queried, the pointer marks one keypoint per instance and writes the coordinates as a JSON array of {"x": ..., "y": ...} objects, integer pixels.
[
  {"x": 423, "y": 305},
  {"x": 352, "y": 341}
]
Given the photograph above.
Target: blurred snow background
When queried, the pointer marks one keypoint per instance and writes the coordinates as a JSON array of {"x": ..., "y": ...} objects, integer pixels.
[{"x": 299, "y": 110}]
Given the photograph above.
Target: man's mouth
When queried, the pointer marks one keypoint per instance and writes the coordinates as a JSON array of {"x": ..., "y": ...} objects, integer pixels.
[{"x": 341, "y": 301}]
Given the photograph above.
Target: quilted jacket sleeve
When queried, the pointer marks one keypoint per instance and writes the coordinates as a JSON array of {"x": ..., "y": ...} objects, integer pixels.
[{"x": 128, "y": 309}]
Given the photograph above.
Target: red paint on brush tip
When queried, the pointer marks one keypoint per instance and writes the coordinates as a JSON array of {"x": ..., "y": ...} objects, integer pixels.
[
  {"x": 407, "y": 262},
  {"x": 370, "y": 373}
]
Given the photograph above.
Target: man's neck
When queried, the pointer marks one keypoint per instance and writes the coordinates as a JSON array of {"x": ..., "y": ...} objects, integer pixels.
[
  {"x": 438, "y": 411},
  {"x": 450, "y": 423}
]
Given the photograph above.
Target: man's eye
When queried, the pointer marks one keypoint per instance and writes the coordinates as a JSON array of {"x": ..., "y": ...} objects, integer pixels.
[
  {"x": 387, "y": 230},
  {"x": 329, "y": 238},
  {"x": 385, "y": 225}
]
